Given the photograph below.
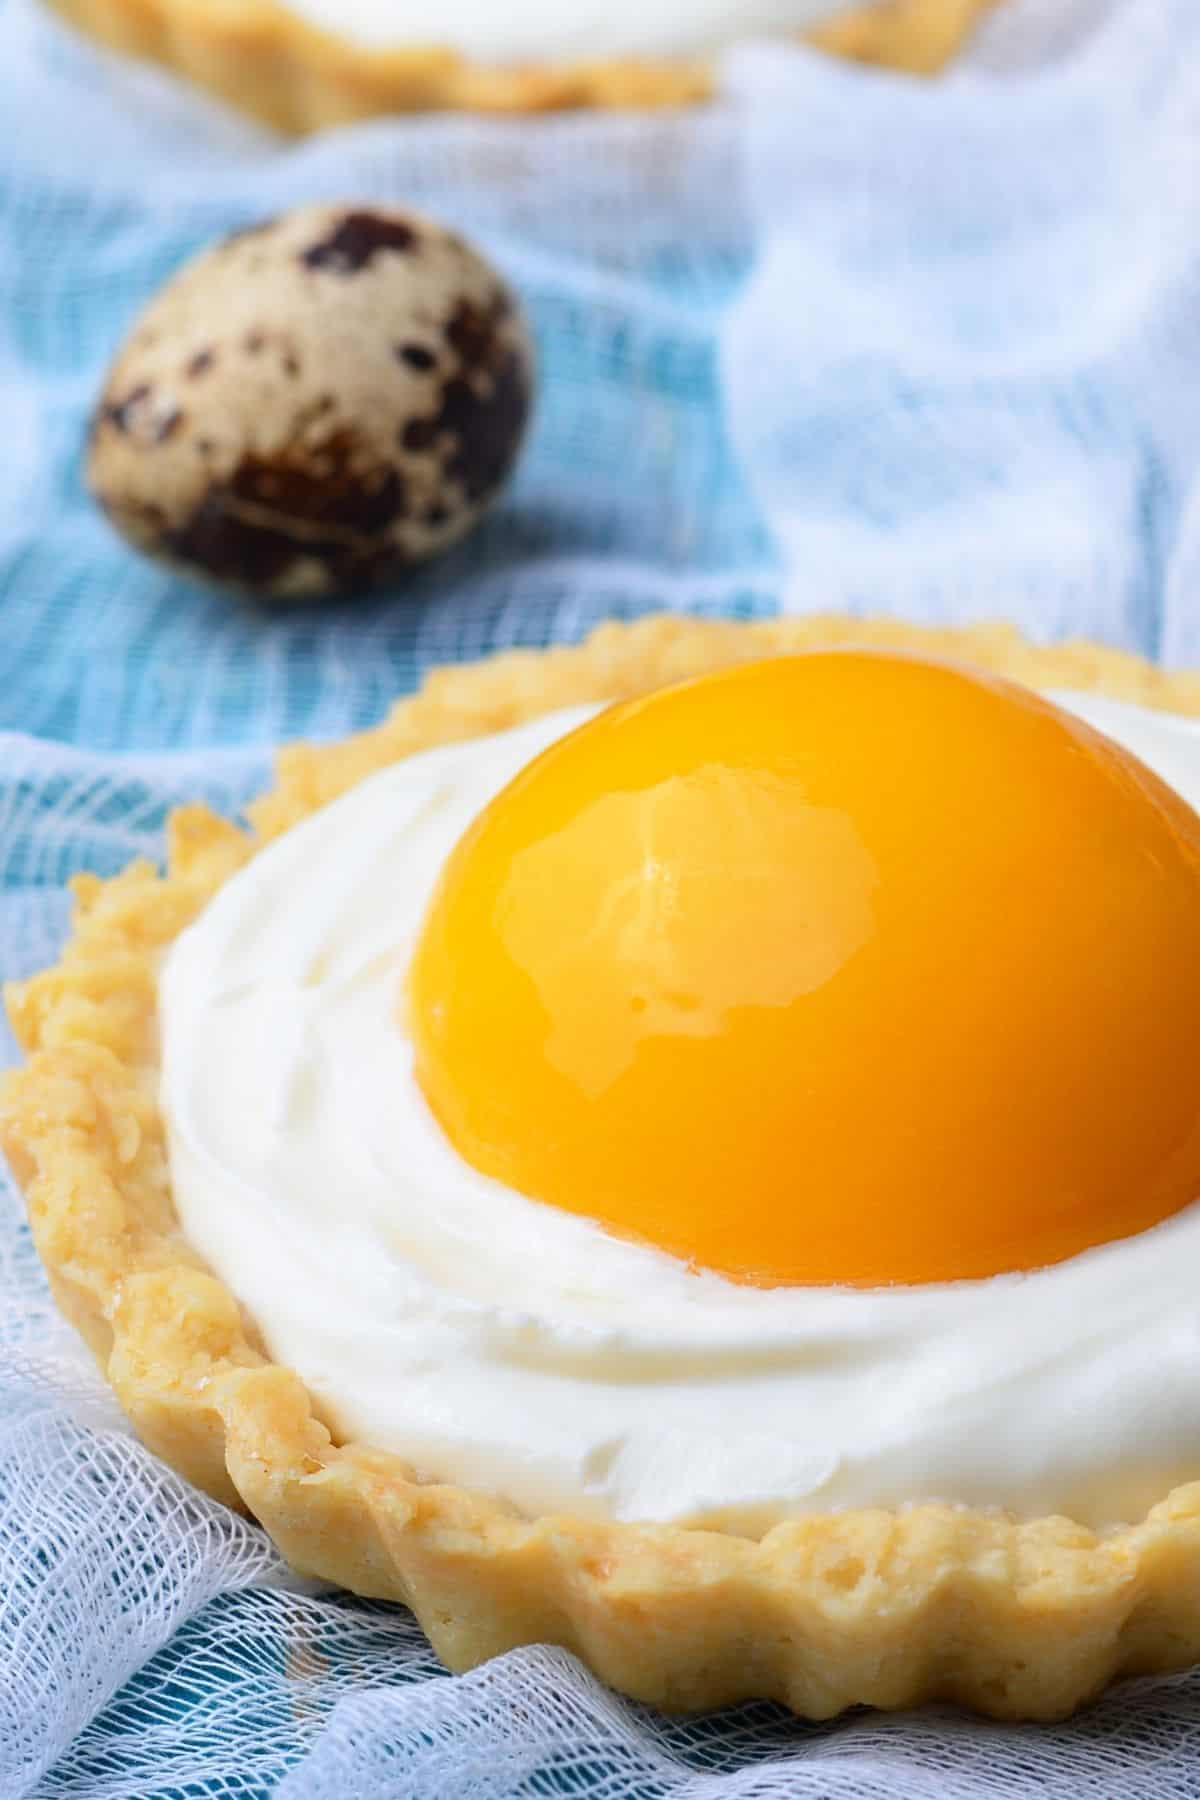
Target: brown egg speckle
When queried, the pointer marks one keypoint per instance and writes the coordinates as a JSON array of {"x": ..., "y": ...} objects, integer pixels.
[
  {"x": 359, "y": 237},
  {"x": 417, "y": 357},
  {"x": 316, "y": 405}
]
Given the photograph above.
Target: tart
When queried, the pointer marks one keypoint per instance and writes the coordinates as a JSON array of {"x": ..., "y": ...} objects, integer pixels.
[
  {"x": 979, "y": 1599},
  {"x": 311, "y": 64}
]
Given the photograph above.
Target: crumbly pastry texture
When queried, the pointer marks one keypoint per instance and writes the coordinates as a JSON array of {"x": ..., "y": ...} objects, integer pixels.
[
  {"x": 266, "y": 60},
  {"x": 1018, "y": 1620}
]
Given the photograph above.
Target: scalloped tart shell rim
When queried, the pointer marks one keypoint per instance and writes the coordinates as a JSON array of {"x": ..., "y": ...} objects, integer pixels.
[
  {"x": 1014, "y": 1619},
  {"x": 266, "y": 60}
]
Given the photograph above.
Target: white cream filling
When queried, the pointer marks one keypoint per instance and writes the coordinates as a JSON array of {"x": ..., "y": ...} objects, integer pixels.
[
  {"x": 496, "y": 1342},
  {"x": 560, "y": 30}
]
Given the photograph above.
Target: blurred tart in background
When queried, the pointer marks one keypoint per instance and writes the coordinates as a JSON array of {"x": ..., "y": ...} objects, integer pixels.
[{"x": 314, "y": 63}]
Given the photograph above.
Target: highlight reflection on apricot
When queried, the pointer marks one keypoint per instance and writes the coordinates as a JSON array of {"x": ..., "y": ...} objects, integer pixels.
[{"x": 839, "y": 967}]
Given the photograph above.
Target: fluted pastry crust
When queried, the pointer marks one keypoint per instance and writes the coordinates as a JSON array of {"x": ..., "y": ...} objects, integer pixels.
[
  {"x": 265, "y": 59},
  {"x": 1018, "y": 1620}
]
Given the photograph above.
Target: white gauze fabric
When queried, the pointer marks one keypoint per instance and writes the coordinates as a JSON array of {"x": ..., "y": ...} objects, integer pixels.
[{"x": 1014, "y": 433}]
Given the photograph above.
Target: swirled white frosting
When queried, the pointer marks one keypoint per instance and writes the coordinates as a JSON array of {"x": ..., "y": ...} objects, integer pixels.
[
  {"x": 503, "y": 1344},
  {"x": 551, "y": 31}
]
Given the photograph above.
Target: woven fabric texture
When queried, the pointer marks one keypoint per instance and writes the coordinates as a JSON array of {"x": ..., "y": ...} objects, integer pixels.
[{"x": 838, "y": 342}]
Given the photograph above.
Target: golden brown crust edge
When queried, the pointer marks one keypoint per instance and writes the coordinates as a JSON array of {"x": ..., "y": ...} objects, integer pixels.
[
  {"x": 888, "y": 1609},
  {"x": 261, "y": 57}
]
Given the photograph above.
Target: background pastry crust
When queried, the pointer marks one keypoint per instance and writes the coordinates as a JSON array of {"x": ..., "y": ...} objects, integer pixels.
[
  {"x": 1019, "y": 1620},
  {"x": 266, "y": 60}
]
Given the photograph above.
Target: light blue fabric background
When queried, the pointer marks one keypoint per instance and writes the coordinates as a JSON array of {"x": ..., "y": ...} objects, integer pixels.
[
  {"x": 962, "y": 382},
  {"x": 627, "y": 498},
  {"x": 953, "y": 341}
]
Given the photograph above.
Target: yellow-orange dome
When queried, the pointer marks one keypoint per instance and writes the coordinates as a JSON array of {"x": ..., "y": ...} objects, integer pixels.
[{"x": 840, "y": 967}]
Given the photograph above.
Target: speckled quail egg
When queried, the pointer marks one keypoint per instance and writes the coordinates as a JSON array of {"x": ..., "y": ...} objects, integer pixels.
[{"x": 315, "y": 405}]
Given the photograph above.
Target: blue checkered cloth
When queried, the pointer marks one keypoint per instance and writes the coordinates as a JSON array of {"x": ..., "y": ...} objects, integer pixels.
[{"x": 628, "y": 498}]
